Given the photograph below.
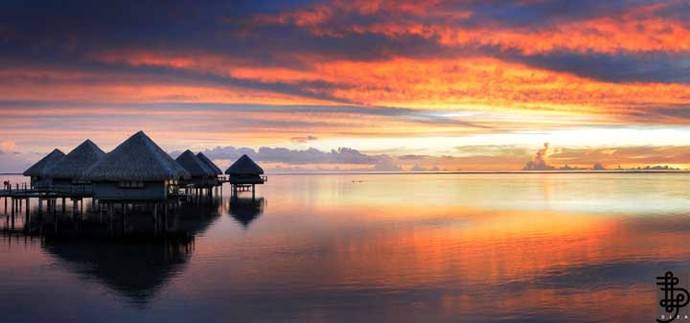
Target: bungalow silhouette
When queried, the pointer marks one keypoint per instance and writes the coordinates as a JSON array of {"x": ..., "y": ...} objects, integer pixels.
[
  {"x": 216, "y": 171},
  {"x": 67, "y": 173},
  {"x": 136, "y": 170},
  {"x": 202, "y": 176},
  {"x": 244, "y": 175},
  {"x": 37, "y": 171}
]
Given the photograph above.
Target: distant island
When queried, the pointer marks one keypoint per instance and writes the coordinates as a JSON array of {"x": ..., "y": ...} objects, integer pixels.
[
  {"x": 530, "y": 166},
  {"x": 539, "y": 163}
]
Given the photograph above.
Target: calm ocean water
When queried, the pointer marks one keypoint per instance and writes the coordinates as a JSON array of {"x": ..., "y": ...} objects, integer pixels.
[{"x": 399, "y": 248}]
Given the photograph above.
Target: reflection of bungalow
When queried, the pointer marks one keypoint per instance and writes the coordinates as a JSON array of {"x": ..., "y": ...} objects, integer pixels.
[
  {"x": 135, "y": 269},
  {"x": 67, "y": 173},
  {"x": 201, "y": 175},
  {"x": 245, "y": 172},
  {"x": 37, "y": 171},
  {"x": 137, "y": 262},
  {"x": 137, "y": 169},
  {"x": 246, "y": 210}
]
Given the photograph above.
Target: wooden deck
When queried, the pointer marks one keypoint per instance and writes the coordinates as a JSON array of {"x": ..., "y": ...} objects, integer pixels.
[{"x": 22, "y": 193}]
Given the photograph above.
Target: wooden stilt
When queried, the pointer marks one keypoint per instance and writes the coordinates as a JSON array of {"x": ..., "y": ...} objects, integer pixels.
[
  {"x": 165, "y": 217},
  {"x": 14, "y": 204},
  {"x": 124, "y": 217},
  {"x": 26, "y": 214},
  {"x": 155, "y": 217}
]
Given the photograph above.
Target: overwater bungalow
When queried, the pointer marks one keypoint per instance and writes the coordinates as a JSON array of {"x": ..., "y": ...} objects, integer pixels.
[
  {"x": 37, "y": 171},
  {"x": 202, "y": 176},
  {"x": 136, "y": 170},
  {"x": 67, "y": 173},
  {"x": 217, "y": 171},
  {"x": 245, "y": 171},
  {"x": 245, "y": 174}
]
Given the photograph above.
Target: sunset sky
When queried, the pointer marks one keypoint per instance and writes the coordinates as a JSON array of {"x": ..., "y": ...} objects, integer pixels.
[{"x": 369, "y": 85}]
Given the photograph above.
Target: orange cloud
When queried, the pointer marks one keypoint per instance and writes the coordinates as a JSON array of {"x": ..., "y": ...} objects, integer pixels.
[
  {"x": 7, "y": 145},
  {"x": 66, "y": 85},
  {"x": 636, "y": 29},
  {"x": 473, "y": 83}
]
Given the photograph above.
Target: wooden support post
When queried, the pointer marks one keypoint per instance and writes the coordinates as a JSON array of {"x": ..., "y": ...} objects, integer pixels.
[
  {"x": 63, "y": 204},
  {"x": 124, "y": 217},
  {"x": 14, "y": 204},
  {"x": 155, "y": 217},
  {"x": 253, "y": 194},
  {"x": 26, "y": 215},
  {"x": 165, "y": 222}
]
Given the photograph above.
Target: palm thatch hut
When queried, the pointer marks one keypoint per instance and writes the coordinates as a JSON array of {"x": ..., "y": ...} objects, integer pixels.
[
  {"x": 67, "y": 173},
  {"x": 202, "y": 176},
  {"x": 136, "y": 170},
  {"x": 244, "y": 175},
  {"x": 37, "y": 171},
  {"x": 217, "y": 171}
]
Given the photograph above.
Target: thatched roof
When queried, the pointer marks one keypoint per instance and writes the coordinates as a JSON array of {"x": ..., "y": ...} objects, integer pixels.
[
  {"x": 210, "y": 164},
  {"x": 74, "y": 164},
  {"x": 244, "y": 166},
  {"x": 136, "y": 159},
  {"x": 39, "y": 168},
  {"x": 195, "y": 166}
]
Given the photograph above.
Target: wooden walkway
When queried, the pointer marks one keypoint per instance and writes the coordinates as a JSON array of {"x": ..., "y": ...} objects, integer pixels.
[{"x": 22, "y": 193}]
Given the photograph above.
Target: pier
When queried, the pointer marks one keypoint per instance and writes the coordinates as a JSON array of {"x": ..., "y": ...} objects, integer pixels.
[{"x": 136, "y": 176}]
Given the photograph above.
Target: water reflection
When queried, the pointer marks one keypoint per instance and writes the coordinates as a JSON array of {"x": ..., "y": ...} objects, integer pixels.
[
  {"x": 373, "y": 248},
  {"x": 134, "y": 255},
  {"x": 245, "y": 210},
  {"x": 135, "y": 268}
]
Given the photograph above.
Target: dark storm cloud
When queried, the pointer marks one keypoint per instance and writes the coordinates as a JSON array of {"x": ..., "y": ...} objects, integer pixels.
[
  {"x": 622, "y": 67},
  {"x": 72, "y": 34},
  {"x": 540, "y": 13}
]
